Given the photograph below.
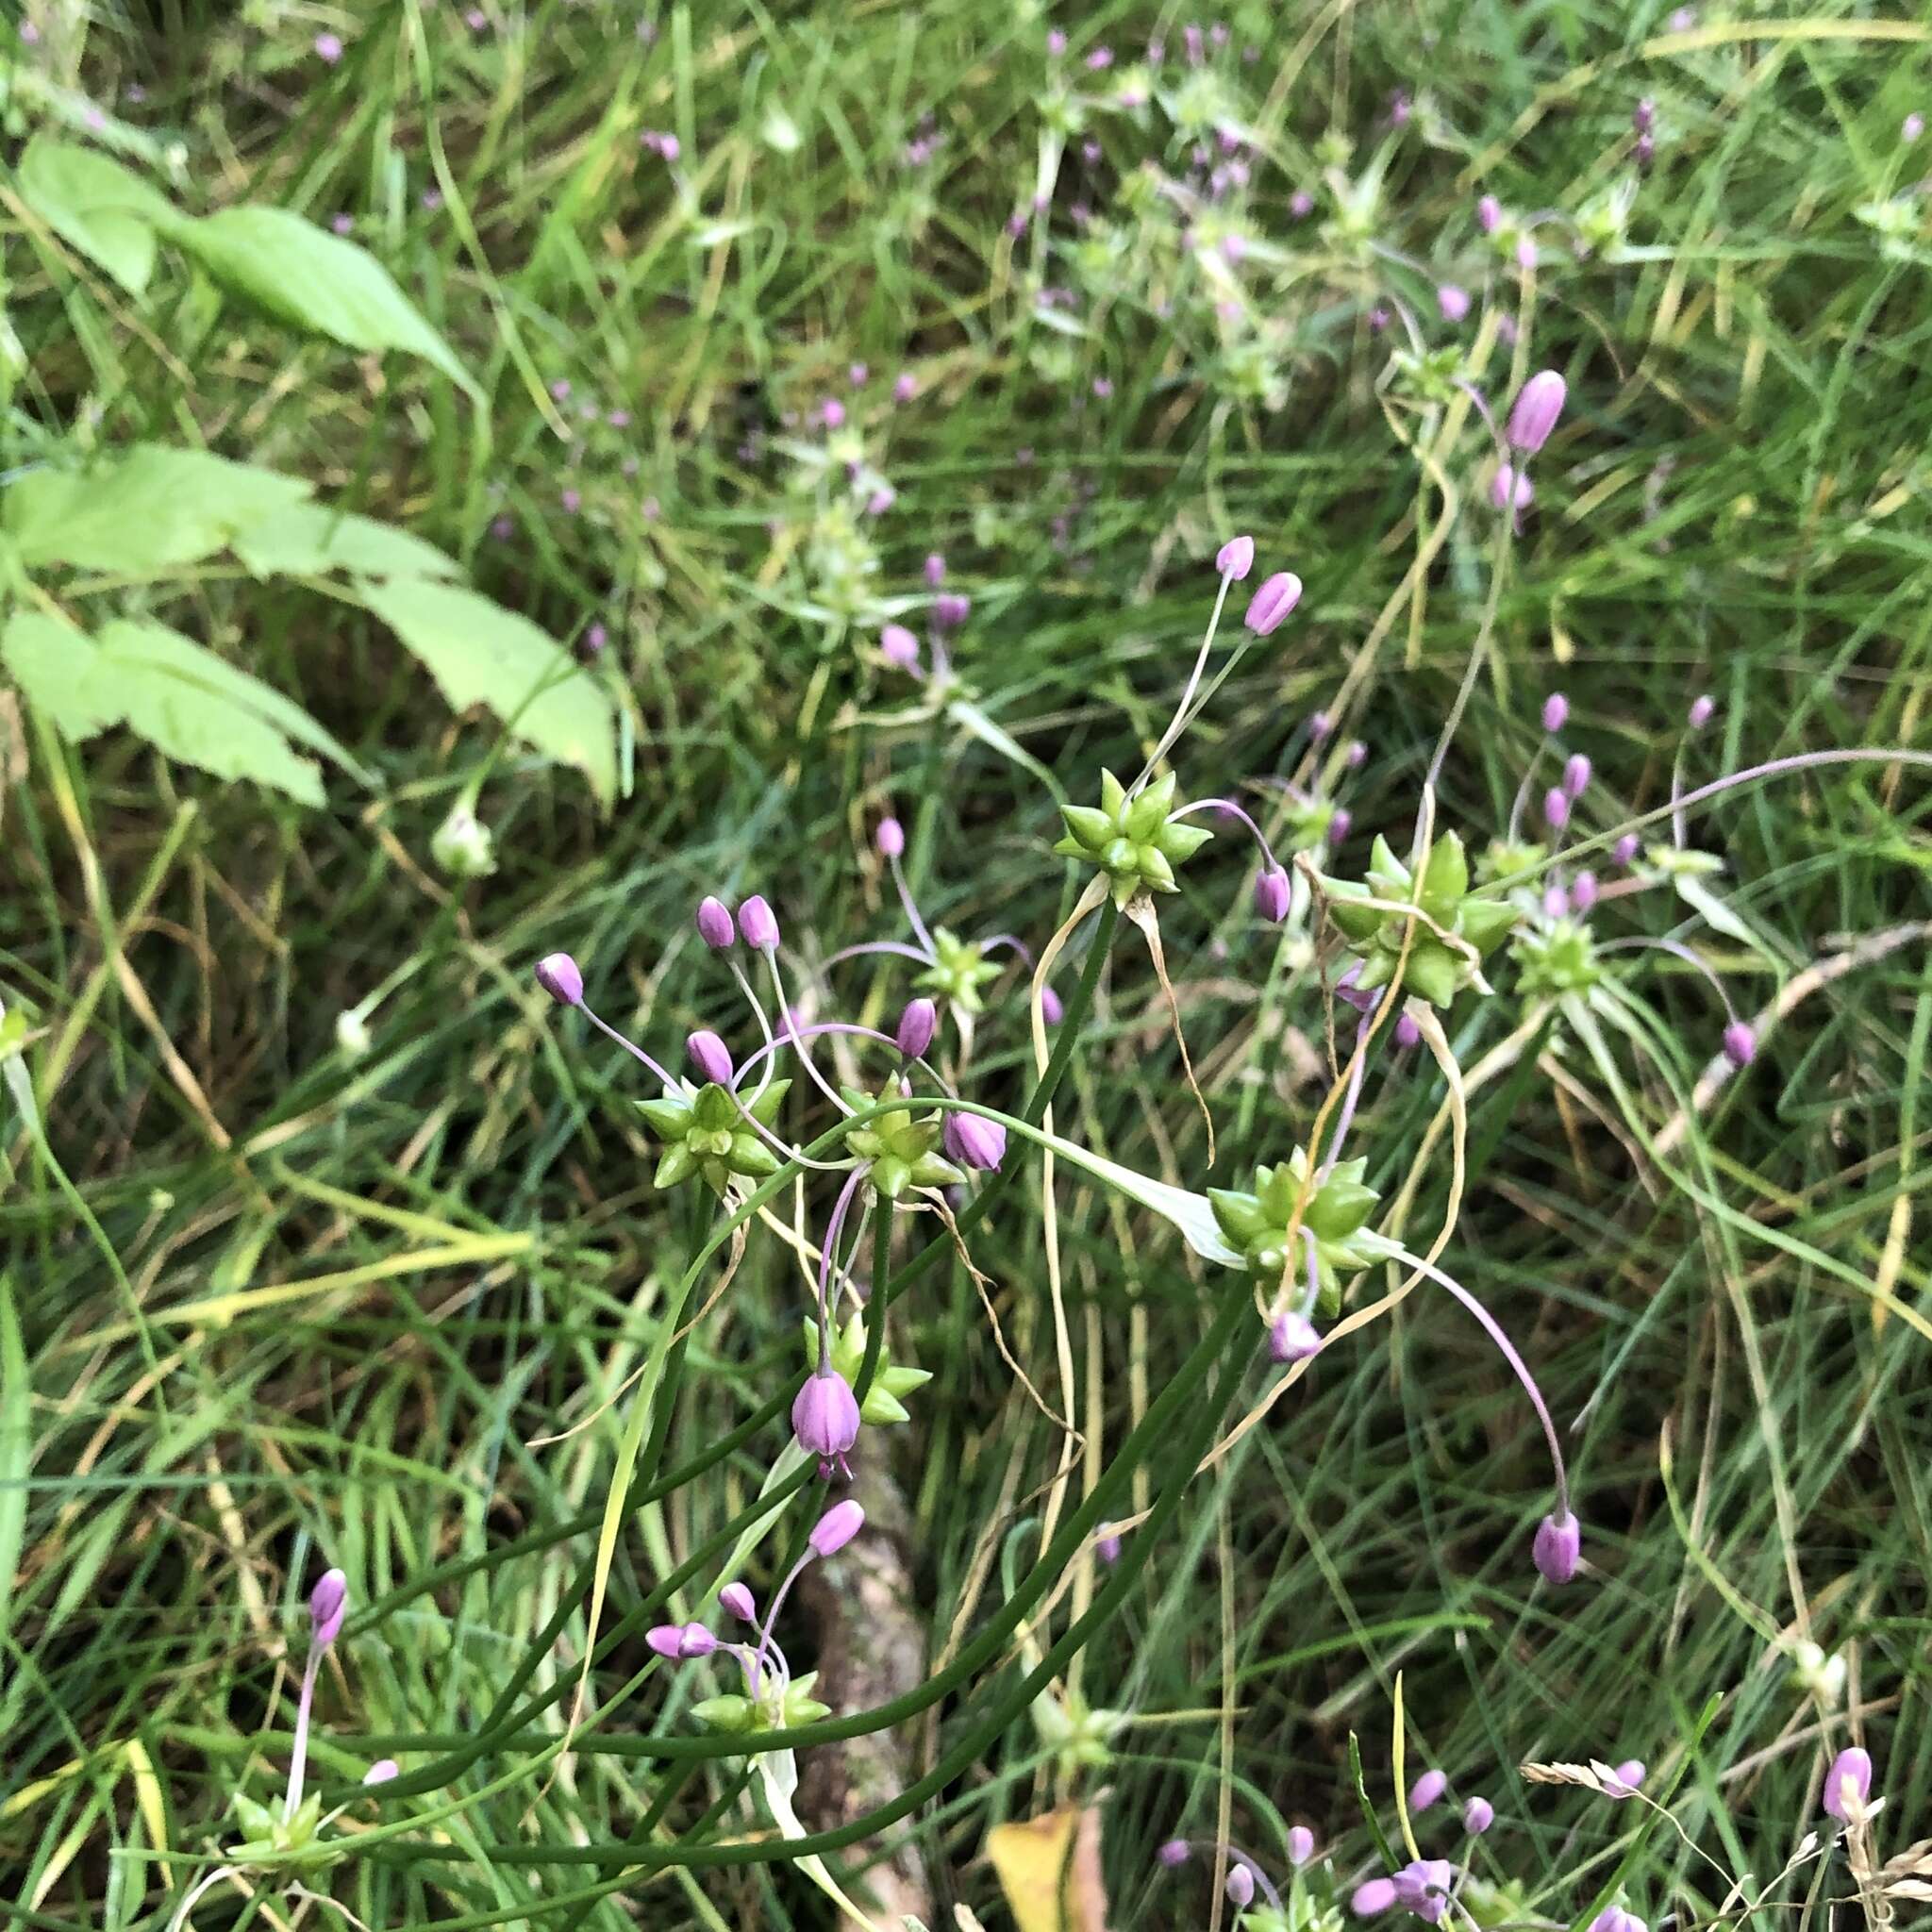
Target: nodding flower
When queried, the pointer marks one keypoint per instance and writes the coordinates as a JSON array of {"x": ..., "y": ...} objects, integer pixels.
[
  {"x": 1427, "y": 1790},
  {"x": 890, "y": 838},
  {"x": 710, "y": 1057},
  {"x": 1740, "y": 1045},
  {"x": 1292, "y": 1337},
  {"x": 899, "y": 647},
  {"x": 1702, "y": 710},
  {"x": 329, "y": 1604},
  {"x": 1538, "y": 405},
  {"x": 1511, "y": 489},
  {"x": 1423, "y": 1886},
  {"x": 1489, "y": 214},
  {"x": 1555, "y": 712},
  {"x": 1241, "y": 1885},
  {"x": 1848, "y": 1785},
  {"x": 1628, "y": 1778},
  {"x": 917, "y": 1025},
  {"x": 1301, "y": 1844},
  {"x": 825, "y": 1418},
  {"x": 1373, "y": 1898},
  {"x": 1271, "y": 604},
  {"x": 1272, "y": 894},
  {"x": 1106, "y": 1545},
  {"x": 678, "y": 1641},
  {"x": 1477, "y": 1816},
  {"x": 1174, "y": 1853},
  {"x": 974, "y": 1143},
  {"x": 1616, "y": 1919},
  {"x": 1452, "y": 301},
  {"x": 738, "y": 1599},
  {"x": 1558, "y": 1547},
  {"x": 950, "y": 610},
  {"x": 557, "y": 974}
]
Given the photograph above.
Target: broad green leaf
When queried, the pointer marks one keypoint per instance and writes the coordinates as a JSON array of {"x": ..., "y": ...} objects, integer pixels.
[
  {"x": 480, "y": 653},
  {"x": 149, "y": 510},
  {"x": 309, "y": 539},
  {"x": 174, "y": 692},
  {"x": 98, "y": 207},
  {"x": 305, "y": 276}
]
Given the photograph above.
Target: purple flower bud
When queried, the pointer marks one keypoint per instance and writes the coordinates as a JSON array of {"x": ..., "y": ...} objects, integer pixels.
[
  {"x": 906, "y": 386},
  {"x": 836, "y": 1528},
  {"x": 1911, "y": 127},
  {"x": 329, "y": 1604},
  {"x": 1452, "y": 301},
  {"x": 695, "y": 1640},
  {"x": 1301, "y": 1844},
  {"x": 1848, "y": 1784},
  {"x": 1357, "y": 756},
  {"x": 858, "y": 376},
  {"x": 1538, "y": 405},
  {"x": 710, "y": 1057},
  {"x": 557, "y": 974},
  {"x": 1373, "y": 1898},
  {"x": 1051, "y": 1010},
  {"x": 890, "y": 838},
  {"x": 917, "y": 1025},
  {"x": 342, "y": 225},
  {"x": 1427, "y": 1790},
  {"x": 715, "y": 927},
  {"x": 667, "y": 1640},
  {"x": 1646, "y": 150},
  {"x": 1558, "y": 1547},
  {"x": 950, "y": 610},
  {"x": 1106, "y": 1545},
  {"x": 825, "y": 1418},
  {"x": 1235, "y": 558},
  {"x": 1489, "y": 214},
  {"x": 1422, "y": 1886},
  {"x": 1477, "y": 1816},
  {"x": 1174, "y": 1852},
  {"x": 1341, "y": 822},
  {"x": 1740, "y": 1043},
  {"x": 1320, "y": 726},
  {"x": 739, "y": 1599},
  {"x": 1407, "y": 1034},
  {"x": 328, "y": 48},
  {"x": 1509, "y": 489},
  {"x": 974, "y": 1143},
  {"x": 1702, "y": 712},
  {"x": 1276, "y": 597},
  {"x": 832, "y": 413},
  {"x": 1055, "y": 42},
  {"x": 381, "y": 1772},
  {"x": 758, "y": 924},
  {"x": 1241, "y": 1886},
  {"x": 899, "y": 647},
  {"x": 1583, "y": 892},
  {"x": 1629, "y": 1777},
  {"x": 1625, "y": 850},
  {"x": 935, "y": 570},
  {"x": 1616, "y": 1919},
  {"x": 1576, "y": 774},
  {"x": 1301, "y": 204},
  {"x": 1272, "y": 896},
  {"x": 881, "y": 500},
  {"x": 1291, "y": 1338},
  {"x": 1378, "y": 321},
  {"x": 1556, "y": 809},
  {"x": 1556, "y": 712},
  {"x": 1100, "y": 58},
  {"x": 1643, "y": 115}
]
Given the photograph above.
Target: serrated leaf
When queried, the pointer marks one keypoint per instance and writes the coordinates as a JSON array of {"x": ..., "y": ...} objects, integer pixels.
[
  {"x": 480, "y": 653},
  {"x": 98, "y": 207},
  {"x": 311, "y": 540},
  {"x": 165, "y": 688},
  {"x": 148, "y": 510},
  {"x": 317, "y": 281}
]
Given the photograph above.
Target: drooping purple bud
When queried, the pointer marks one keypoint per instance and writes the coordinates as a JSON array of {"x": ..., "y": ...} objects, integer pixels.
[
  {"x": 709, "y": 1055},
  {"x": 328, "y": 48},
  {"x": 1625, "y": 850},
  {"x": 1489, "y": 214},
  {"x": 1630, "y": 1778},
  {"x": 738, "y": 1599},
  {"x": 1576, "y": 774},
  {"x": 1509, "y": 490},
  {"x": 1616, "y": 1919},
  {"x": 695, "y": 1640},
  {"x": 1538, "y": 405},
  {"x": 1341, "y": 822},
  {"x": 1106, "y": 1545},
  {"x": 1051, "y": 1010},
  {"x": 1556, "y": 809},
  {"x": 1291, "y": 1338},
  {"x": 1740, "y": 1045},
  {"x": 381, "y": 1772},
  {"x": 1557, "y": 1548},
  {"x": 1357, "y": 756},
  {"x": 1273, "y": 601},
  {"x": 1174, "y": 1852},
  {"x": 1452, "y": 301},
  {"x": 1643, "y": 115},
  {"x": 1301, "y": 204},
  {"x": 1555, "y": 899},
  {"x": 917, "y": 1025},
  {"x": 758, "y": 924},
  {"x": 950, "y": 610},
  {"x": 1556, "y": 712},
  {"x": 1272, "y": 894},
  {"x": 1241, "y": 1886},
  {"x": 1427, "y": 1790},
  {"x": 329, "y": 1604},
  {"x": 890, "y": 838},
  {"x": 974, "y": 1143},
  {"x": 1848, "y": 1784},
  {"x": 665, "y": 1638},
  {"x": 1236, "y": 558},
  {"x": 836, "y": 1528},
  {"x": 935, "y": 570},
  {"x": 1477, "y": 1816},
  {"x": 905, "y": 386},
  {"x": 557, "y": 974},
  {"x": 1320, "y": 726},
  {"x": 1301, "y": 1844},
  {"x": 1407, "y": 1034},
  {"x": 1422, "y": 1885},
  {"x": 1702, "y": 712},
  {"x": 899, "y": 647},
  {"x": 1583, "y": 892},
  {"x": 1373, "y": 1898},
  {"x": 715, "y": 927},
  {"x": 825, "y": 1418}
]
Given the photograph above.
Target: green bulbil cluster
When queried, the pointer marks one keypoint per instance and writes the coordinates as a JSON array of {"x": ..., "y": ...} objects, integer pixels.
[
  {"x": 1430, "y": 375},
  {"x": 1504, "y": 859},
  {"x": 1436, "y": 969},
  {"x": 704, "y": 1134},
  {"x": 273, "y": 1839},
  {"x": 959, "y": 968},
  {"x": 1307, "y": 823},
  {"x": 882, "y": 1404},
  {"x": 1557, "y": 958},
  {"x": 902, "y": 1152},
  {"x": 773, "y": 1709},
  {"x": 1256, "y": 1224},
  {"x": 1133, "y": 840}
]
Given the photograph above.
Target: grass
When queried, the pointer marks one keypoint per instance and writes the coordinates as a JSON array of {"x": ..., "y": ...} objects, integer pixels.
[{"x": 268, "y": 1307}]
